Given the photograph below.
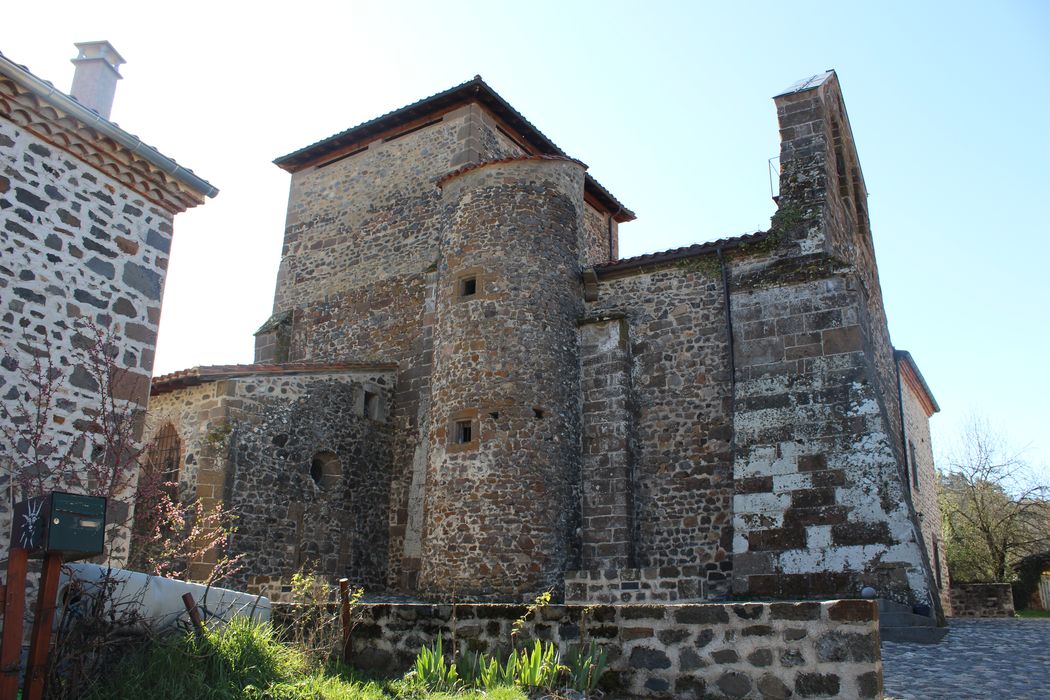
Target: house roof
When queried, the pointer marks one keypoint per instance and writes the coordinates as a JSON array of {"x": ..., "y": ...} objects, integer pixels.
[
  {"x": 474, "y": 90},
  {"x": 48, "y": 93},
  {"x": 648, "y": 259},
  {"x": 911, "y": 374},
  {"x": 214, "y": 373}
]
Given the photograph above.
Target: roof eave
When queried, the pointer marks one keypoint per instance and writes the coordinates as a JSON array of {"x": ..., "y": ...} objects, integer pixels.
[
  {"x": 90, "y": 118},
  {"x": 905, "y": 356},
  {"x": 474, "y": 90},
  {"x": 611, "y": 269}
]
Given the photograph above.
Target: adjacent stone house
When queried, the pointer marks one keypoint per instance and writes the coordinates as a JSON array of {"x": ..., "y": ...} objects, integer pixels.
[
  {"x": 465, "y": 391},
  {"x": 86, "y": 213}
]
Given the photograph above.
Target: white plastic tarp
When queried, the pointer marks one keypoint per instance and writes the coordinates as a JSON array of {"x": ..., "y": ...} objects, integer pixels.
[{"x": 159, "y": 598}]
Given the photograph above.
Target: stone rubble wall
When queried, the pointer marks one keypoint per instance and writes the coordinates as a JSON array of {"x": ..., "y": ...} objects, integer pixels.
[
  {"x": 248, "y": 443},
  {"x": 654, "y": 584},
  {"x": 679, "y": 399},
  {"x": 746, "y": 650},
  {"x": 982, "y": 600},
  {"x": 924, "y": 494},
  {"x": 76, "y": 244}
]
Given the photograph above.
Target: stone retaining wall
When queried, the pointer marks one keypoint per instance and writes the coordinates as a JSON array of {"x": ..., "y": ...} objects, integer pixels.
[
  {"x": 752, "y": 650},
  {"x": 653, "y": 584},
  {"x": 982, "y": 600}
]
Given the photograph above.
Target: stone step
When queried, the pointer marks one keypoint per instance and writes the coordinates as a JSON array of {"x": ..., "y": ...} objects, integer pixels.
[
  {"x": 913, "y": 635},
  {"x": 886, "y": 606},
  {"x": 905, "y": 619}
]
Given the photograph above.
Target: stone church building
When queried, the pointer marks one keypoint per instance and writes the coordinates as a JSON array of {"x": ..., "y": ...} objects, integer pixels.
[{"x": 464, "y": 391}]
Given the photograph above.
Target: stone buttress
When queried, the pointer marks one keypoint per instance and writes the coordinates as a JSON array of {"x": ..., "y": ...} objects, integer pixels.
[{"x": 820, "y": 507}]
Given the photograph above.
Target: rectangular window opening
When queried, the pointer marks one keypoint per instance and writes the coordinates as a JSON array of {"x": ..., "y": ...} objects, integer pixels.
[
  {"x": 370, "y": 404},
  {"x": 464, "y": 432},
  {"x": 914, "y": 464},
  {"x": 468, "y": 287}
]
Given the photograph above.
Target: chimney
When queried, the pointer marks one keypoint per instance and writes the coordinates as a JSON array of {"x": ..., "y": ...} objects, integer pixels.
[{"x": 96, "y": 76}]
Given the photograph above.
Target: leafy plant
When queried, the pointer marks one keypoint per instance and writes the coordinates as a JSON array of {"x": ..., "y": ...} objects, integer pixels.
[
  {"x": 434, "y": 672},
  {"x": 539, "y": 667},
  {"x": 541, "y": 601},
  {"x": 585, "y": 666},
  {"x": 496, "y": 675}
]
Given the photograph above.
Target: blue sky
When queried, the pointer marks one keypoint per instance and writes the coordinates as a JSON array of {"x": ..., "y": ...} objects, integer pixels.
[{"x": 669, "y": 104}]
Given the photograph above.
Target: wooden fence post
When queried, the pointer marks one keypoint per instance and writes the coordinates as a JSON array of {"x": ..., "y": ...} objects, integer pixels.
[
  {"x": 40, "y": 644},
  {"x": 344, "y": 604},
  {"x": 14, "y": 612}
]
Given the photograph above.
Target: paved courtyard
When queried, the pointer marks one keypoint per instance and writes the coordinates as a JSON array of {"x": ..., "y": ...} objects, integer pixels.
[{"x": 980, "y": 658}]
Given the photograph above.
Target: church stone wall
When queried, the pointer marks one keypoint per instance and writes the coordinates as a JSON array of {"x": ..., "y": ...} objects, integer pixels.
[
  {"x": 194, "y": 412},
  {"x": 249, "y": 444},
  {"x": 680, "y": 381},
  {"x": 607, "y": 482},
  {"x": 924, "y": 486},
  {"x": 336, "y": 525},
  {"x": 819, "y": 507},
  {"x": 77, "y": 246}
]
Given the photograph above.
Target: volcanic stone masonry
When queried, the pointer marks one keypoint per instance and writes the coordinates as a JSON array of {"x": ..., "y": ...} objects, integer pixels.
[
  {"x": 773, "y": 650},
  {"x": 85, "y": 234},
  {"x": 719, "y": 420}
]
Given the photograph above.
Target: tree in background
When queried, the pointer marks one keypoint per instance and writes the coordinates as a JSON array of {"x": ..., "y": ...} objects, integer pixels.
[{"x": 995, "y": 510}]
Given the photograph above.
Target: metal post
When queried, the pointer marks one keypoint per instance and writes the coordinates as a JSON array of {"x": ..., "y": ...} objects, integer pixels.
[
  {"x": 14, "y": 612},
  {"x": 40, "y": 643},
  {"x": 344, "y": 604}
]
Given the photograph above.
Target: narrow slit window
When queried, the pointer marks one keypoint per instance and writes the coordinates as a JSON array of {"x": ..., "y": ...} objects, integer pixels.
[
  {"x": 464, "y": 432},
  {"x": 468, "y": 287},
  {"x": 914, "y": 465},
  {"x": 370, "y": 405}
]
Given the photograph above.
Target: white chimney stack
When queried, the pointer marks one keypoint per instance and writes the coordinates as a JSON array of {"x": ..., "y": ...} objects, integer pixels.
[{"x": 96, "y": 76}]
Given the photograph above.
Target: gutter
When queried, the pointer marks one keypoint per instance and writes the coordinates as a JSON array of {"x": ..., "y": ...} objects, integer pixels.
[{"x": 56, "y": 98}]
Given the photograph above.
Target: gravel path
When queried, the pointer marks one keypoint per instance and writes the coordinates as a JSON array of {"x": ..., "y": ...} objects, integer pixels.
[{"x": 980, "y": 658}]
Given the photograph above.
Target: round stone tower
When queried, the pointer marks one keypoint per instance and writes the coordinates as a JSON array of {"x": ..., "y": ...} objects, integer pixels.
[{"x": 504, "y": 443}]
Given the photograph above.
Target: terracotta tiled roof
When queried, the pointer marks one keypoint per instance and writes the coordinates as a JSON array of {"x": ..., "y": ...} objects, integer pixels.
[
  {"x": 678, "y": 253},
  {"x": 475, "y": 166},
  {"x": 919, "y": 382},
  {"x": 475, "y": 90},
  {"x": 213, "y": 373},
  {"x": 57, "y": 97}
]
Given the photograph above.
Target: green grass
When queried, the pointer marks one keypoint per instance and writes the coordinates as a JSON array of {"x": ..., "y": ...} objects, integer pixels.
[
  {"x": 1033, "y": 613},
  {"x": 247, "y": 661}
]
